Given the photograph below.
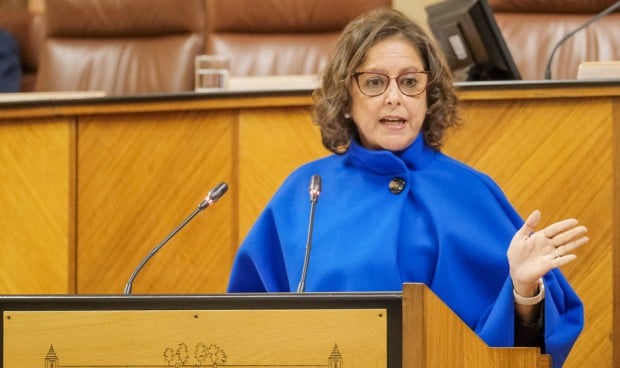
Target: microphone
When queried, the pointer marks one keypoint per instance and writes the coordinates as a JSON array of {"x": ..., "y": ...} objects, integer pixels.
[
  {"x": 315, "y": 190},
  {"x": 216, "y": 193},
  {"x": 600, "y": 15}
]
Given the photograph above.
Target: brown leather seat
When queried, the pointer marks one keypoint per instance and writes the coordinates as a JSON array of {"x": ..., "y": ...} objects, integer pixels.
[
  {"x": 121, "y": 46},
  {"x": 279, "y": 37},
  {"x": 531, "y": 28}
]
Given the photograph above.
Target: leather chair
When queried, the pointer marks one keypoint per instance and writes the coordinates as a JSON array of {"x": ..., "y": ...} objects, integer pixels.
[
  {"x": 531, "y": 29},
  {"x": 121, "y": 46},
  {"x": 279, "y": 37}
]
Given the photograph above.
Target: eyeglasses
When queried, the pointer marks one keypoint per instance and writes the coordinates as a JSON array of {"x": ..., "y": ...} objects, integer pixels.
[{"x": 373, "y": 84}]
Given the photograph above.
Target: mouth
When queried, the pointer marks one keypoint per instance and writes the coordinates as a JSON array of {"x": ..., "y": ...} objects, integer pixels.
[{"x": 392, "y": 121}]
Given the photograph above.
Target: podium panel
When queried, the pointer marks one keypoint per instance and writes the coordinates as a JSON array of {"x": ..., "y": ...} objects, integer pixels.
[
  {"x": 234, "y": 338},
  {"x": 287, "y": 330},
  {"x": 433, "y": 336}
]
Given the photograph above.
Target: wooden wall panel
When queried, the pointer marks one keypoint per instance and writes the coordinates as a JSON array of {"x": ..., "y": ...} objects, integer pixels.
[
  {"x": 35, "y": 205},
  {"x": 615, "y": 204},
  {"x": 272, "y": 143},
  {"x": 140, "y": 176},
  {"x": 555, "y": 155}
]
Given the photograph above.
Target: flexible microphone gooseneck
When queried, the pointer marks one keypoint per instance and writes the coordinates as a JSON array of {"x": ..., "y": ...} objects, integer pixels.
[
  {"x": 216, "y": 193},
  {"x": 315, "y": 190},
  {"x": 600, "y": 15}
]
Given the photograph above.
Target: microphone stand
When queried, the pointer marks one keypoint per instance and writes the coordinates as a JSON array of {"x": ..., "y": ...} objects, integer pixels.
[
  {"x": 600, "y": 15},
  {"x": 302, "y": 284},
  {"x": 213, "y": 196},
  {"x": 315, "y": 189}
]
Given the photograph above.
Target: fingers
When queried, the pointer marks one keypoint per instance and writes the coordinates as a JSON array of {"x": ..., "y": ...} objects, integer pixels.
[
  {"x": 530, "y": 223},
  {"x": 562, "y": 254},
  {"x": 561, "y": 261},
  {"x": 566, "y": 244},
  {"x": 564, "y": 237},
  {"x": 568, "y": 234},
  {"x": 559, "y": 227},
  {"x": 557, "y": 242}
]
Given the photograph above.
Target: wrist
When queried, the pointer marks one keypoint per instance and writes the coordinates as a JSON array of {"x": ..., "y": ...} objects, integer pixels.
[{"x": 519, "y": 299}]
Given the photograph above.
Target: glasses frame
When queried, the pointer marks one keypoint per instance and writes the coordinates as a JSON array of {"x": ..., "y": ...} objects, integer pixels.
[{"x": 357, "y": 81}]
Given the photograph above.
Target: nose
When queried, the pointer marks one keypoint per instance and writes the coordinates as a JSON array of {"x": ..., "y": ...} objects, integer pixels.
[{"x": 393, "y": 95}]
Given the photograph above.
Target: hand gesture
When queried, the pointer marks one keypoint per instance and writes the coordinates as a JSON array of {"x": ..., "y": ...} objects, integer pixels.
[{"x": 532, "y": 253}]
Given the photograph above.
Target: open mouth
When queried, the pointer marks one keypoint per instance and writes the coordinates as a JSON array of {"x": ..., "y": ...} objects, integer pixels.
[{"x": 392, "y": 121}]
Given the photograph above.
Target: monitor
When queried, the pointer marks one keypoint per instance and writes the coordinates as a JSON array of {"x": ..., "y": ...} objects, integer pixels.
[{"x": 471, "y": 40}]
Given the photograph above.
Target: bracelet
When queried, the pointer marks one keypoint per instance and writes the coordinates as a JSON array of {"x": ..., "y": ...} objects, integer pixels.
[{"x": 531, "y": 300}]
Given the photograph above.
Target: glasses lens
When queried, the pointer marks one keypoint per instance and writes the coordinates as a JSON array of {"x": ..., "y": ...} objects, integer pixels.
[
  {"x": 412, "y": 83},
  {"x": 372, "y": 84}
]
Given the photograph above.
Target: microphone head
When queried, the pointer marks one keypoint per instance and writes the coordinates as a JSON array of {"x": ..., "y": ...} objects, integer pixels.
[
  {"x": 216, "y": 193},
  {"x": 315, "y": 187}
]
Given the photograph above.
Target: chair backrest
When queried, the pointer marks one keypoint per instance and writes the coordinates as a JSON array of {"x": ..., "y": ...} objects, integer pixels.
[
  {"x": 531, "y": 29},
  {"x": 121, "y": 46},
  {"x": 279, "y": 37}
]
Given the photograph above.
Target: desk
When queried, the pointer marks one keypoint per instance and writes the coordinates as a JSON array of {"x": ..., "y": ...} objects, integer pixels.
[{"x": 90, "y": 186}]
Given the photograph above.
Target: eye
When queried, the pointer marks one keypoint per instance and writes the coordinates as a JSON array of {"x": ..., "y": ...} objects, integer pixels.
[
  {"x": 409, "y": 80},
  {"x": 375, "y": 81}
]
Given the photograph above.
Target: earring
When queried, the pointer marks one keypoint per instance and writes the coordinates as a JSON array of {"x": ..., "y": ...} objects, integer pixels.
[{"x": 347, "y": 115}]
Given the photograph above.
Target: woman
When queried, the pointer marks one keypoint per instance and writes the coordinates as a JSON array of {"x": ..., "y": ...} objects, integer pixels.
[{"x": 394, "y": 209}]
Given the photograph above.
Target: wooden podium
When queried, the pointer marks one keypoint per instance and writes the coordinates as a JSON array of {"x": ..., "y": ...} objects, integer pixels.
[{"x": 334, "y": 330}]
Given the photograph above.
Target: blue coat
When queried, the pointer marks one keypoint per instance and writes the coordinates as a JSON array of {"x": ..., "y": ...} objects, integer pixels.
[
  {"x": 10, "y": 66},
  {"x": 450, "y": 229}
]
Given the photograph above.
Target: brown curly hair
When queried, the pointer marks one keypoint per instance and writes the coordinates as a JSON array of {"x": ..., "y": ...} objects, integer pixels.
[{"x": 333, "y": 99}]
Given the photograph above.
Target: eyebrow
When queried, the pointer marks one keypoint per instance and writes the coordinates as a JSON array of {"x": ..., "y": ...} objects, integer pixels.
[{"x": 401, "y": 71}]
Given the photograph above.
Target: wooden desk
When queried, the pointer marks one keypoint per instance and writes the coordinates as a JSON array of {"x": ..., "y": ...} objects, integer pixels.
[{"x": 90, "y": 186}]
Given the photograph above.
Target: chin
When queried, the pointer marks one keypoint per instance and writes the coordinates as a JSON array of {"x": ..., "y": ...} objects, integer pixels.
[{"x": 396, "y": 146}]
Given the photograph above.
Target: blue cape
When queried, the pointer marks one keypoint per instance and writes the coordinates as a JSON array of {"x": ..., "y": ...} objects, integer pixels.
[{"x": 450, "y": 229}]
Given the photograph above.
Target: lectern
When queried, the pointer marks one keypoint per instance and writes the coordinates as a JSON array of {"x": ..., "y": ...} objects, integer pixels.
[{"x": 335, "y": 330}]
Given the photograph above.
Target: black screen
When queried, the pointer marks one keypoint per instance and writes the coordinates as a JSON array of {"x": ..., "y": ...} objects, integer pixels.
[{"x": 471, "y": 40}]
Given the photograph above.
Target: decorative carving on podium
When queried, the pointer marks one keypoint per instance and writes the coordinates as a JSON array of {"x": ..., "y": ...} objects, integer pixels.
[
  {"x": 51, "y": 360},
  {"x": 211, "y": 355},
  {"x": 204, "y": 356},
  {"x": 335, "y": 358}
]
